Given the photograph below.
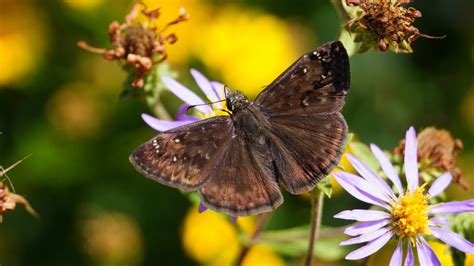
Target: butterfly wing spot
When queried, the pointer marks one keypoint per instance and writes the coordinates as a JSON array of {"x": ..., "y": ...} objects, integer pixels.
[{"x": 177, "y": 157}]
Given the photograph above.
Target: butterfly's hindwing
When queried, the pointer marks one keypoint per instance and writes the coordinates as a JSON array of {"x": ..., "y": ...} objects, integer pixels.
[
  {"x": 307, "y": 148},
  {"x": 244, "y": 182},
  {"x": 316, "y": 83},
  {"x": 183, "y": 157}
]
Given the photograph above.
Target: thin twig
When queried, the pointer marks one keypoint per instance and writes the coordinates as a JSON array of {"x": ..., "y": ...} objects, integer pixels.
[
  {"x": 262, "y": 219},
  {"x": 316, "y": 215}
]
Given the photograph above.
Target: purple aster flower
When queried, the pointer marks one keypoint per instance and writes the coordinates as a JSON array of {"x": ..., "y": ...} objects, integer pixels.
[
  {"x": 213, "y": 91},
  {"x": 405, "y": 215}
]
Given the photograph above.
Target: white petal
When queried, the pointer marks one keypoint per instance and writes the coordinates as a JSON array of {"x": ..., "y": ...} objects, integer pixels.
[
  {"x": 370, "y": 176},
  {"x": 372, "y": 247},
  {"x": 362, "y": 215},
  {"x": 410, "y": 259},
  {"x": 204, "y": 85},
  {"x": 426, "y": 256},
  {"x": 359, "y": 188},
  {"x": 397, "y": 256},
  {"x": 440, "y": 184},
  {"x": 365, "y": 237},
  {"x": 453, "y": 239},
  {"x": 186, "y": 95},
  {"x": 411, "y": 160},
  {"x": 365, "y": 227},
  {"x": 387, "y": 167}
]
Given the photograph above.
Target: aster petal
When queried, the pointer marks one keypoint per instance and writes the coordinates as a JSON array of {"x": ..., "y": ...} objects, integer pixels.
[
  {"x": 202, "y": 208},
  {"x": 397, "y": 256},
  {"x": 372, "y": 247},
  {"x": 426, "y": 256},
  {"x": 440, "y": 184},
  {"x": 410, "y": 259},
  {"x": 219, "y": 89},
  {"x": 163, "y": 125},
  {"x": 370, "y": 176},
  {"x": 365, "y": 237},
  {"x": 354, "y": 185},
  {"x": 453, "y": 239},
  {"x": 362, "y": 215},
  {"x": 186, "y": 95},
  {"x": 440, "y": 221},
  {"x": 453, "y": 207},
  {"x": 365, "y": 227},
  {"x": 387, "y": 167},
  {"x": 233, "y": 219},
  {"x": 181, "y": 114},
  {"x": 205, "y": 85},
  {"x": 410, "y": 165}
]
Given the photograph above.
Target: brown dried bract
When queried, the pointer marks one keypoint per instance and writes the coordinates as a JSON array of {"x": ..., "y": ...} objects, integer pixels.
[
  {"x": 388, "y": 20},
  {"x": 437, "y": 149},
  {"x": 140, "y": 45},
  {"x": 8, "y": 202}
]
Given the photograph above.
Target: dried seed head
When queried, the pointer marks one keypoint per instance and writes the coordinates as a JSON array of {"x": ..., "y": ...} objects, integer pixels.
[
  {"x": 140, "y": 45},
  {"x": 385, "y": 24},
  {"x": 437, "y": 150}
]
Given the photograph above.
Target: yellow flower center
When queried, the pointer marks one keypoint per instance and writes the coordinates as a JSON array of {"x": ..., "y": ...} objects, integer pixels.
[{"x": 410, "y": 214}]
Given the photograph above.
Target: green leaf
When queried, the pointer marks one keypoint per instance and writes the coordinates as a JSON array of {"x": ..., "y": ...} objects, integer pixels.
[
  {"x": 325, "y": 186},
  {"x": 293, "y": 242}
]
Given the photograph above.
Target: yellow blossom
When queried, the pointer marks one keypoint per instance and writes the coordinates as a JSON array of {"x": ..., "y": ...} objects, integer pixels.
[
  {"x": 211, "y": 238},
  {"x": 22, "y": 40}
]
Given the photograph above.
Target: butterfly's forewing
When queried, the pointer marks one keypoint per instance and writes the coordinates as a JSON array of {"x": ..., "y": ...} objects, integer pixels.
[
  {"x": 316, "y": 83},
  {"x": 244, "y": 183},
  {"x": 306, "y": 148},
  {"x": 185, "y": 156}
]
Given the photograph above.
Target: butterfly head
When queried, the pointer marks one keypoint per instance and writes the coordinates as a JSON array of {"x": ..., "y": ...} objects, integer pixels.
[{"x": 235, "y": 100}]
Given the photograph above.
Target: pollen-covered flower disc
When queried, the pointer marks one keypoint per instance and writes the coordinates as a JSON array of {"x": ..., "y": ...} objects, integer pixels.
[{"x": 292, "y": 135}]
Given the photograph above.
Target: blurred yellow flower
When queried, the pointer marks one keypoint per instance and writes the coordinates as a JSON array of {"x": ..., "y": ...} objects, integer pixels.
[
  {"x": 22, "y": 40},
  {"x": 210, "y": 238},
  {"x": 261, "y": 255},
  {"x": 442, "y": 252},
  {"x": 206, "y": 234},
  {"x": 469, "y": 260},
  {"x": 112, "y": 238},
  {"x": 188, "y": 33},
  {"x": 336, "y": 188},
  {"x": 247, "y": 48}
]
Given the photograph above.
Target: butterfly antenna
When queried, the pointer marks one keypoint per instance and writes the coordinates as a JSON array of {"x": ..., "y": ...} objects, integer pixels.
[{"x": 194, "y": 105}]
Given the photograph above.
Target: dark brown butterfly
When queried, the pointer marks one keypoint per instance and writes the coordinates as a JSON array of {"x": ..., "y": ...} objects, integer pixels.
[{"x": 292, "y": 135}]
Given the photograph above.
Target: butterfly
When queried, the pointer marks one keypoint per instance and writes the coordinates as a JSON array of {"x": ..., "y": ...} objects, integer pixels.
[{"x": 291, "y": 136}]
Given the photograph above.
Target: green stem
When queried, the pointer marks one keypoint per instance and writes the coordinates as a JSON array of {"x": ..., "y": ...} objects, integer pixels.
[
  {"x": 158, "y": 108},
  {"x": 316, "y": 216},
  {"x": 262, "y": 219}
]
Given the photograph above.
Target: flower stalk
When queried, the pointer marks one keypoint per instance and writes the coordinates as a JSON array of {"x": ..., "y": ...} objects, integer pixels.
[{"x": 317, "y": 202}]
